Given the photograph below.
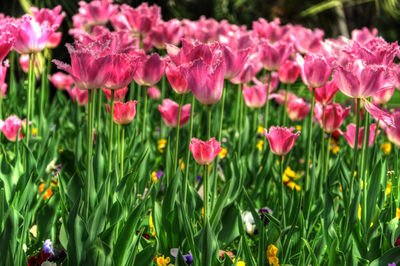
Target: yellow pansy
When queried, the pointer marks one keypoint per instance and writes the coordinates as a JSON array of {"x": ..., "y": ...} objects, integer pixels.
[
  {"x": 359, "y": 212},
  {"x": 260, "y": 130},
  {"x": 161, "y": 145},
  {"x": 182, "y": 165},
  {"x": 34, "y": 131},
  {"x": 288, "y": 178},
  {"x": 161, "y": 261},
  {"x": 398, "y": 212},
  {"x": 239, "y": 263},
  {"x": 151, "y": 225},
  {"x": 386, "y": 147},
  {"x": 334, "y": 147},
  {"x": 298, "y": 127},
  {"x": 222, "y": 153},
  {"x": 154, "y": 177},
  {"x": 272, "y": 250},
  {"x": 260, "y": 145},
  {"x": 389, "y": 187}
]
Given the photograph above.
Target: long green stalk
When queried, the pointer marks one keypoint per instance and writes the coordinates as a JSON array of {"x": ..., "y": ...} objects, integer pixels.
[
  {"x": 110, "y": 136},
  {"x": 240, "y": 123},
  {"x": 43, "y": 89},
  {"x": 309, "y": 137},
  {"x": 282, "y": 194},
  {"x": 185, "y": 179},
  {"x": 122, "y": 150},
  {"x": 29, "y": 94},
  {"x": 178, "y": 126},
  {"x": 322, "y": 176},
  {"x": 266, "y": 114},
  {"x": 363, "y": 173},
  {"x": 89, "y": 150},
  {"x": 162, "y": 98},
  {"x": 144, "y": 115}
]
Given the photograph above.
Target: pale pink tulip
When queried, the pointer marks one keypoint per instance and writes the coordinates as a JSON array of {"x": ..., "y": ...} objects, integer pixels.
[
  {"x": 383, "y": 96},
  {"x": 149, "y": 70},
  {"x": 363, "y": 35},
  {"x": 3, "y": 72},
  {"x": 124, "y": 113},
  {"x": 61, "y": 81},
  {"x": 234, "y": 60},
  {"x": 314, "y": 69},
  {"x": 297, "y": 109},
  {"x": 272, "y": 56},
  {"x": 119, "y": 95},
  {"x": 280, "y": 97},
  {"x": 393, "y": 133},
  {"x": 153, "y": 92},
  {"x": 53, "y": 18},
  {"x": 81, "y": 96},
  {"x": 204, "y": 152},
  {"x": 11, "y": 126},
  {"x": 97, "y": 12},
  {"x": 169, "y": 32},
  {"x": 350, "y": 135},
  {"x": 281, "y": 139},
  {"x": 306, "y": 40},
  {"x": 334, "y": 116},
  {"x": 255, "y": 96},
  {"x": 169, "y": 111}
]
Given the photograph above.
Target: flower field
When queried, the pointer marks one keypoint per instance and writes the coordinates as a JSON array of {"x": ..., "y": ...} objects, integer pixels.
[{"x": 186, "y": 142}]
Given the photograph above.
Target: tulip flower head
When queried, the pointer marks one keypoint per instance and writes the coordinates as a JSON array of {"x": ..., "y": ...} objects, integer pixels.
[
  {"x": 289, "y": 72},
  {"x": 54, "y": 19},
  {"x": 363, "y": 35},
  {"x": 153, "y": 92},
  {"x": 10, "y": 128},
  {"x": 383, "y": 96},
  {"x": 61, "y": 81},
  {"x": 3, "y": 72},
  {"x": 169, "y": 111},
  {"x": 255, "y": 96},
  {"x": 119, "y": 95},
  {"x": 204, "y": 152},
  {"x": 7, "y": 40},
  {"x": 97, "y": 12},
  {"x": 297, "y": 109},
  {"x": 81, "y": 96},
  {"x": 124, "y": 113},
  {"x": 393, "y": 133},
  {"x": 272, "y": 56},
  {"x": 314, "y": 69},
  {"x": 150, "y": 69},
  {"x": 325, "y": 94},
  {"x": 334, "y": 116},
  {"x": 281, "y": 139},
  {"x": 350, "y": 135}
]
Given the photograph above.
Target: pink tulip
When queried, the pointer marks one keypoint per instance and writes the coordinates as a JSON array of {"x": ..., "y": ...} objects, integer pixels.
[
  {"x": 139, "y": 20},
  {"x": 81, "y": 96},
  {"x": 272, "y": 56},
  {"x": 205, "y": 81},
  {"x": 359, "y": 80},
  {"x": 53, "y": 18},
  {"x": 393, "y": 133},
  {"x": 169, "y": 111},
  {"x": 61, "y": 81},
  {"x": 150, "y": 69},
  {"x": 383, "y": 96},
  {"x": 281, "y": 139},
  {"x": 334, "y": 116},
  {"x": 297, "y": 109},
  {"x": 30, "y": 36},
  {"x": 350, "y": 135},
  {"x": 121, "y": 69},
  {"x": 280, "y": 97},
  {"x": 169, "y": 32},
  {"x": 234, "y": 61},
  {"x": 255, "y": 96},
  {"x": 97, "y": 12},
  {"x": 289, "y": 72},
  {"x": 204, "y": 152},
  {"x": 314, "y": 69},
  {"x": 363, "y": 35},
  {"x": 124, "y": 113},
  {"x": 271, "y": 31},
  {"x": 10, "y": 128},
  {"x": 250, "y": 69},
  {"x": 264, "y": 80},
  {"x": 119, "y": 95},
  {"x": 3, "y": 72},
  {"x": 306, "y": 40},
  {"x": 24, "y": 62},
  {"x": 176, "y": 79},
  {"x": 7, "y": 40},
  {"x": 153, "y": 92},
  {"x": 89, "y": 66},
  {"x": 324, "y": 95},
  {"x": 378, "y": 114}
]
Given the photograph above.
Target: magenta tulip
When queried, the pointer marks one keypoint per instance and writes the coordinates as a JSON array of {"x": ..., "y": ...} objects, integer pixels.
[
  {"x": 81, "y": 96},
  {"x": 363, "y": 35},
  {"x": 314, "y": 69},
  {"x": 281, "y": 139},
  {"x": 169, "y": 32},
  {"x": 3, "y": 72},
  {"x": 393, "y": 133},
  {"x": 395, "y": 73},
  {"x": 97, "y": 12},
  {"x": 119, "y": 95},
  {"x": 250, "y": 69},
  {"x": 350, "y": 135},
  {"x": 53, "y": 18},
  {"x": 272, "y": 56},
  {"x": 124, "y": 113},
  {"x": 383, "y": 96},
  {"x": 271, "y": 31},
  {"x": 61, "y": 81},
  {"x": 205, "y": 81},
  {"x": 204, "y": 152},
  {"x": 324, "y": 95},
  {"x": 255, "y": 96},
  {"x": 30, "y": 36},
  {"x": 280, "y": 97},
  {"x": 306, "y": 40},
  {"x": 289, "y": 72},
  {"x": 121, "y": 69},
  {"x": 153, "y": 92},
  {"x": 176, "y": 79},
  {"x": 169, "y": 111},
  {"x": 334, "y": 116},
  {"x": 297, "y": 109},
  {"x": 7, "y": 40},
  {"x": 150, "y": 69},
  {"x": 234, "y": 60},
  {"x": 10, "y": 128}
]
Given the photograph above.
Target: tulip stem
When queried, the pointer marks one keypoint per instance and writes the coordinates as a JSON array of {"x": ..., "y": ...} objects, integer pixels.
[
  {"x": 43, "y": 89},
  {"x": 287, "y": 87},
  {"x": 122, "y": 150},
  {"x": 240, "y": 122},
  {"x": 208, "y": 122},
  {"x": 221, "y": 118},
  {"x": 162, "y": 98},
  {"x": 99, "y": 106},
  {"x": 89, "y": 151},
  {"x": 178, "y": 126},
  {"x": 353, "y": 167},
  {"x": 363, "y": 173},
  {"x": 205, "y": 193},
  {"x": 239, "y": 92},
  {"x": 144, "y": 116},
  {"x": 309, "y": 137},
  {"x": 30, "y": 71},
  {"x": 188, "y": 150},
  {"x": 267, "y": 101},
  {"x": 322, "y": 176},
  {"x": 282, "y": 194},
  {"x": 110, "y": 136}
]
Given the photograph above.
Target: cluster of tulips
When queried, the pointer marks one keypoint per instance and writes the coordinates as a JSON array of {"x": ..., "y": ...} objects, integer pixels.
[{"x": 126, "y": 54}]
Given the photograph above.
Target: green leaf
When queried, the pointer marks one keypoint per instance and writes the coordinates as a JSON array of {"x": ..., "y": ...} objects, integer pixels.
[{"x": 392, "y": 255}]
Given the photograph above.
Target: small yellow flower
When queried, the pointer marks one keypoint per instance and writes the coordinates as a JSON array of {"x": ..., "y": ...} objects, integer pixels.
[
  {"x": 161, "y": 145},
  {"x": 341, "y": 188},
  {"x": 334, "y": 147},
  {"x": 386, "y": 147},
  {"x": 389, "y": 187},
  {"x": 298, "y": 128},
  {"x": 362, "y": 184},
  {"x": 239, "y": 263},
  {"x": 292, "y": 185},
  {"x": 154, "y": 177},
  {"x": 34, "y": 131},
  {"x": 288, "y": 178},
  {"x": 271, "y": 255},
  {"x": 222, "y": 153},
  {"x": 182, "y": 165},
  {"x": 48, "y": 193},
  {"x": 398, "y": 212},
  {"x": 151, "y": 225},
  {"x": 355, "y": 173},
  {"x": 161, "y": 261},
  {"x": 260, "y": 145},
  {"x": 359, "y": 212},
  {"x": 260, "y": 130},
  {"x": 60, "y": 150}
]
